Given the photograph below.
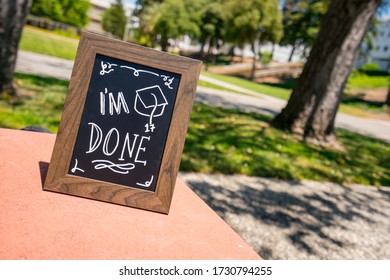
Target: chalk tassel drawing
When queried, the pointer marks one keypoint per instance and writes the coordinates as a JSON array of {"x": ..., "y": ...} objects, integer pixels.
[{"x": 150, "y": 102}]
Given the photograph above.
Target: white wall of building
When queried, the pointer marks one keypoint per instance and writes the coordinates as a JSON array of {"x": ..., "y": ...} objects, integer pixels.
[{"x": 381, "y": 52}]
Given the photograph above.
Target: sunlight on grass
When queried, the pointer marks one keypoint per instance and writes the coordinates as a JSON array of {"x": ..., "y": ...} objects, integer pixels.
[
  {"x": 42, "y": 101},
  {"x": 35, "y": 40},
  {"x": 364, "y": 81},
  {"x": 260, "y": 88}
]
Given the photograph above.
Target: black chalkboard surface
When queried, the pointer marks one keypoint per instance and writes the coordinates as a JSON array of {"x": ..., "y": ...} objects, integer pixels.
[{"x": 124, "y": 124}]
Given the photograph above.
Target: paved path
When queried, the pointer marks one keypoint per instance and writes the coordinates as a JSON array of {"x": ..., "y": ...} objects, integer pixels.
[
  {"x": 253, "y": 101},
  {"x": 43, "y": 65}
]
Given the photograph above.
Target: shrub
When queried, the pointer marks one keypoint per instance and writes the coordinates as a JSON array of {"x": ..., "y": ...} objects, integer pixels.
[
  {"x": 370, "y": 67},
  {"x": 265, "y": 57}
]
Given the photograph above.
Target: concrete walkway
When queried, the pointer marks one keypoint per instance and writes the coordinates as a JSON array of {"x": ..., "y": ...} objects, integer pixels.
[{"x": 252, "y": 101}]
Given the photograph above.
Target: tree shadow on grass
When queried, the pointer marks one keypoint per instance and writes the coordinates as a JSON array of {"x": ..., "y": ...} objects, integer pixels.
[
  {"x": 305, "y": 216},
  {"x": 287, "y": 83},
  {"x": 358, "y": 100}
]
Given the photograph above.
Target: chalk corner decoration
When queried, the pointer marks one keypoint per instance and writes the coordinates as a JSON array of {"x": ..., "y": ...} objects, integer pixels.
[{"x": 124, "y": 123}]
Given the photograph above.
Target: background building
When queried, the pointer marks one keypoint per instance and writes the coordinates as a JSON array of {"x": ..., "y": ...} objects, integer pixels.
[{"x": 380, "y": 53}]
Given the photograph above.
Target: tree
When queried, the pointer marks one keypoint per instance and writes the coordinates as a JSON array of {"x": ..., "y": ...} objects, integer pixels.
[
  {"x": 211, "y": 25},
  {"x": 311, "y": 110},
  {"x": 175, "y": 19},
  {"x": 387, "y": 102},
  {"x": 114, "y": 19},
  {"x": 50, "y": 9},
  {"x": 147, "y": 15},
  {"x": 73, "y": 12},
  {"x": 301, "y": 20},
  {"x": 252, "y": 22},
  {"x": 12, "y": 19}
]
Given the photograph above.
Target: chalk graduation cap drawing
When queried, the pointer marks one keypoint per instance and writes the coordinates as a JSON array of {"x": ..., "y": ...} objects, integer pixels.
[{"x": 150, "y": 102}]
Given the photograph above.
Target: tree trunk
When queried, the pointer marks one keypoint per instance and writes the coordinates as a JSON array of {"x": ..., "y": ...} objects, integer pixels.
[
  {"x": 203, "y": 44},
  {"x": 291, "y": 53},
  {"x": 231, "y": 51},
  {"x": 312, "y": 107},
  {"x": 164, "y": 44},
  {"x": 388, "y": 100},
  {"x": 253, "y": 70},
  {"x": 12, "y": 19}
]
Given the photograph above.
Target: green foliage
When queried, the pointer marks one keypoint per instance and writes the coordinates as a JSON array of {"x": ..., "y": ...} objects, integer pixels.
[
  {"x": 114, "y": 19},
  {"x": 170, "y": 19},
  {"x": 249, "y": 20},
  {"x": 252, "y": 22},
  {"x": 301, "y": 21},
  {"x": 370, "y": 67},
  {"x": 211, "y": 25},
  {"x": 173, "y": 21},
  {"x": 147, "y": 22},
  {"x": 265, "y": 57},
  {"x": 211, "y": 22},
  {"x": 50, "y": 9},
  {"x": 73, "y": 12}
]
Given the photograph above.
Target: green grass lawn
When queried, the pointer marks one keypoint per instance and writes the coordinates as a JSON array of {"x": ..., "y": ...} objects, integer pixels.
[
  {"x": 41, "y": 103},
  {"x": 276, "y": 90},
  {"x": 45, "y": 42},
  {"x": 227, "y": 141},
  {"x": 359, "y": 80}
]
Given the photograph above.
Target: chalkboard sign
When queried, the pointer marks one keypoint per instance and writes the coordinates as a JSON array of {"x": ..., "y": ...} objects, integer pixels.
[{"x": 124, "y": 123}]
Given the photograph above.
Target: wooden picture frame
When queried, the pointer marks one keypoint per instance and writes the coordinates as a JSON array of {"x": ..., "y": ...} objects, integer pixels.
[{"x": 64, "y": 173}]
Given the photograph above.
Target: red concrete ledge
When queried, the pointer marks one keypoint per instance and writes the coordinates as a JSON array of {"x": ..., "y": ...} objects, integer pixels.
[{"x": 36, "y": 224}]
